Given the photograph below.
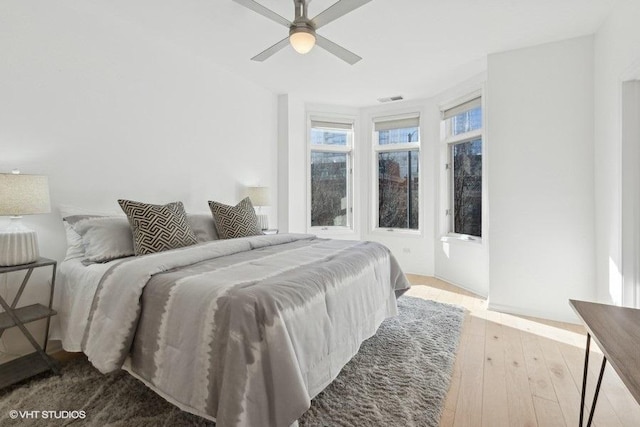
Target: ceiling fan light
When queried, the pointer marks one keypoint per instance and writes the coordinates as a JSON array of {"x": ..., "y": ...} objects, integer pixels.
[{"x": 302, "y": 41}]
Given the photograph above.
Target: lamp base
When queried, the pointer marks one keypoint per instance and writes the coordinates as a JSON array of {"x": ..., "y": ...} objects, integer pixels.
[
  {"x": 18, "y": 244},
  {"x": 263, "y": 221}
]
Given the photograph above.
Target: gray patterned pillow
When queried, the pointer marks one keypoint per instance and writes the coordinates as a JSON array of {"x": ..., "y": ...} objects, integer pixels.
[
  {"x": 235, "y": 221},
  {"x": 158, "y": 228}
]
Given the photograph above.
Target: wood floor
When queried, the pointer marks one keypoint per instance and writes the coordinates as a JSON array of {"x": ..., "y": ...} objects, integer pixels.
[{"x": 521, "y": 371}]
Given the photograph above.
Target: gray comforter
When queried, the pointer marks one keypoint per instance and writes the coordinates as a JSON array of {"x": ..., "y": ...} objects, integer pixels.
[{"x": 245, "y": 331}]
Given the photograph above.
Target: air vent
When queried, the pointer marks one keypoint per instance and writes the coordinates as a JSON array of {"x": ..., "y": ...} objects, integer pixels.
[{"x": 391, "y": 98}]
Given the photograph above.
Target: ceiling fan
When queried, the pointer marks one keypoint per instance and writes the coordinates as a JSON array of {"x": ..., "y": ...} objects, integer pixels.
[{"x": 302, "y": 31}]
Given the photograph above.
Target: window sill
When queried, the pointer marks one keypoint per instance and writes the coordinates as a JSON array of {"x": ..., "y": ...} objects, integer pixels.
[
  {"x": 462, "y": 238},
  {"x": 330, "y": 230},
  {"x": 397, "y": 232}
]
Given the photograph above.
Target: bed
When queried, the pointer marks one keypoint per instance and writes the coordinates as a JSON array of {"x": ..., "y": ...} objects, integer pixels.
[{"x": 243, "y": 331}]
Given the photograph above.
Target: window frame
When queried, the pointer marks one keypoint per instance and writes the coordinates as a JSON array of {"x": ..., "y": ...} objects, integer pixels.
[
  {"x": 377, "y": 148},
  {"x": 349, "y": 149},
  {"x": 450, "y": 141}
]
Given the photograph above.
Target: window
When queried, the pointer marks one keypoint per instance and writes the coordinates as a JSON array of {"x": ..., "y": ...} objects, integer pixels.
[
  {"x": 331, "y": 145},
  {"x": 463, "y": 130},
  {"x": 397, "y": 154}
]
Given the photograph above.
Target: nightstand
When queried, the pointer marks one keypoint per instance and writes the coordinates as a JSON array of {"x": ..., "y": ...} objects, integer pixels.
[
  {"x": 14, "y": 316},
  {"x": 272, "y": 231}
]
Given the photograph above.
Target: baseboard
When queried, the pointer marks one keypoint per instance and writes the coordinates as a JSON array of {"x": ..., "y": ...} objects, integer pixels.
[
  {"x": 419, "y": 273},
  {"x": 541, "y": 314},
  {"x": 54, "y": 346},
  {"x": 466, "y": 288}
]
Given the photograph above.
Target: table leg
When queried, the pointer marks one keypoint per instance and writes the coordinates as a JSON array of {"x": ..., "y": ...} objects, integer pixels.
[
  {"x": 52, "y": 287},
  {"x": 595, "y": 396},
  {"x": 7, "y": 308},
  {"x": 25, "y": 280},
  {"x": 584, "y": 378}
]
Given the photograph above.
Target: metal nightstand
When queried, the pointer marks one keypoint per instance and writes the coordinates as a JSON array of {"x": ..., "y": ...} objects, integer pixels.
[{"x": 38, "y": 361}]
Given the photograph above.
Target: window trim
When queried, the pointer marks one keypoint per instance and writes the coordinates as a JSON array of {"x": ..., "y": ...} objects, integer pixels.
[
  {"x": 464, "y": 137},
  {"x": 400, "y": 147},
  {"x": 407, "y": 146},
  {"x": 449, "y": 141},
  {"x": 348, "y": 149}
]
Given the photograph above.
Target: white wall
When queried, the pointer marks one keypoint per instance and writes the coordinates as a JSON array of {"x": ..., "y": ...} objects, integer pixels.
[
  {"x": 541, "y": 175},
  {"x": 292, "y": 168},
  {"x": 617, "y": 58},
  {"x": 283, "y": 163},
  {"x": 109, "y": 112},
  {"x": 630, "y": 194}
]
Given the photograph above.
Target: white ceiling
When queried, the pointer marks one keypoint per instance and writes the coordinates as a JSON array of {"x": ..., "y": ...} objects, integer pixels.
[{"x": 414, "y": 48}]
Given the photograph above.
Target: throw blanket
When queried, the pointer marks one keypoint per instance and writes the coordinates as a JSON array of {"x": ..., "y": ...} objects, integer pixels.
[{"x": 245, "y": 331}]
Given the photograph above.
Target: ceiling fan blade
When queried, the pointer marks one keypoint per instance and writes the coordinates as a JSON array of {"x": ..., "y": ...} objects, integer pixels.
[
  {"x": 342, "y": 53},
  {"x": 337, "y": 10},
  {"x": 265, "y": 54},
  {"x": 268, "y": 13}
]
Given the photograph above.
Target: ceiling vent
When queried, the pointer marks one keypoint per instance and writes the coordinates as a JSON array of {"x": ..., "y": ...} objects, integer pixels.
[{"x": 391, "y": 98}]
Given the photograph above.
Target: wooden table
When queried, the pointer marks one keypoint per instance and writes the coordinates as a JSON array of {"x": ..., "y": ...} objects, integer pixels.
[{"x": 616, "y": 330}]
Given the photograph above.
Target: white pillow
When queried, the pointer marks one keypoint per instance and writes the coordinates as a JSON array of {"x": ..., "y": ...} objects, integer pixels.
[
  {"x": 75, "y": 248},
  {"x": 104, "y": 238}
]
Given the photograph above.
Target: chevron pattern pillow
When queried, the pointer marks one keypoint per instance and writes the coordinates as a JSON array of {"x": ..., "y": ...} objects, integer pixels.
[
  {"x": 235, "y": 221},
  {"x": 158, "y": 228}
]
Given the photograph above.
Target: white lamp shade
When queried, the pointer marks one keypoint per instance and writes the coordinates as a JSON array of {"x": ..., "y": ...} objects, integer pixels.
[
  {"x": 259, "y": 195},
  {"x": 24, "y": 194}
]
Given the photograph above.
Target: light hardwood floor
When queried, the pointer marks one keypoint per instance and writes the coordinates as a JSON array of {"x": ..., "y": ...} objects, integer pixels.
[{"x": 522, "y": 371}]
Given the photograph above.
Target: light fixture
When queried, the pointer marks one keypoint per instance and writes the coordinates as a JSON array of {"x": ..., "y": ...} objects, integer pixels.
[
  {"x": 260, "y": 197},
  {"x": 21, "y": 195},
  {"x": 302, "y": 39}
]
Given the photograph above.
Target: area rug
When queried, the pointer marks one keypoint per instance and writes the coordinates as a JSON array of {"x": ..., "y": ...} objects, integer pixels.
[{"x": 400, "y": 377}]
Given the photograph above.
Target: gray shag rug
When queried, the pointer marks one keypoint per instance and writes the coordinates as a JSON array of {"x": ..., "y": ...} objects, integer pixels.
[{"x": 400, "y": 377}]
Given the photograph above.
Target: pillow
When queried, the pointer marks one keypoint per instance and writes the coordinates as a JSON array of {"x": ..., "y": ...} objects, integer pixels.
[
  {"x": 103, "y": 238},
  {"x": 67, "y": 211},
  {"x": 235, "y": 221},
  {"x": 203, "y": 227},
  {"x": 75, "y": 248},
  {"x": 158, "y": 228}
]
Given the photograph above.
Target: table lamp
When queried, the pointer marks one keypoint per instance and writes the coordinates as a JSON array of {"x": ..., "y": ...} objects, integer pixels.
[
  {"x": 21, "y": 195},
  {"x": 260, "y": 197}
]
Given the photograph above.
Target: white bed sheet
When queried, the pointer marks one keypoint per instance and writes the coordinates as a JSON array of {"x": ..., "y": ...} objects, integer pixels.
[{"x": 76, "y": 286}]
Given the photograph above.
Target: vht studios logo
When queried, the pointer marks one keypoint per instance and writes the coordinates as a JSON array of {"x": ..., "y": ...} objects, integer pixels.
[{"x": 52, "y": 415}]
